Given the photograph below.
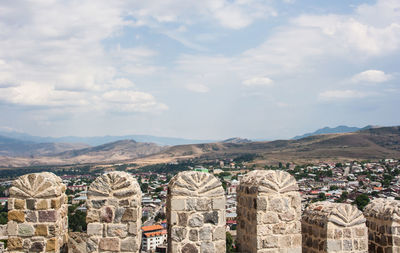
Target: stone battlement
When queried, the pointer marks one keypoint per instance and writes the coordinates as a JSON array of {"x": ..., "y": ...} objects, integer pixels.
[{"x": 268, "y": 215}]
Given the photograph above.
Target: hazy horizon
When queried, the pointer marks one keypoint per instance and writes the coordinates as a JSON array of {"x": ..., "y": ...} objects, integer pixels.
[{"x": 213, "y": 69}]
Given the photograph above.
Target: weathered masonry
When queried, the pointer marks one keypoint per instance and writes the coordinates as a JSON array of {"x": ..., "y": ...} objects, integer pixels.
[
  {"x": 196, "y": 213},
  {"x": 37, "y": 216},
  {"x": 383, "y": 221},
  {"x": 114, "y": 214},
  {"x": 334, "y": 227},
  {"x": 268, "y": 214}
]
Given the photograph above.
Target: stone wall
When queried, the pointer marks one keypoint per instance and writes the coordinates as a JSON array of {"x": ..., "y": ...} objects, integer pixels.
[
  {"x": 268, "y": 217},
  {"x": 196, "y": 213},
  {"x": 114, "y": 214},
  {"x": 37, "y": 216},
  {"x": 269, "y": 213},
  {"x": 383, "y": 222},
  {"x": 333, "y": 227}
]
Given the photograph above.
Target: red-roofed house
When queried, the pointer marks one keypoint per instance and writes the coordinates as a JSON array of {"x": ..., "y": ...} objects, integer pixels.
[{"x": 153, "y": 236}]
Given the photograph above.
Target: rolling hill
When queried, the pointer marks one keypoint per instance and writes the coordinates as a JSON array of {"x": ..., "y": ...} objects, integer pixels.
[
  {"x": 332, "y": 130},
  {"x": 371, "y": 143}
]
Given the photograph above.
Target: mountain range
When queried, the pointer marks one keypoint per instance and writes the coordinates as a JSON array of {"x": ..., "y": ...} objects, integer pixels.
[
  {"x": 99, "y": 140},
  {"x": 333, "y": 130},
  {"x": 367, "y": 143}
]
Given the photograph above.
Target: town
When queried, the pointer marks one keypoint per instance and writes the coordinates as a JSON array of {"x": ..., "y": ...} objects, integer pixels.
[{"x": 354, "y": 182}]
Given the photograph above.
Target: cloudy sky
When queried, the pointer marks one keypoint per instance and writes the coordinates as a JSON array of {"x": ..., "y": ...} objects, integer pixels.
[{"x": 208, "y": 69}]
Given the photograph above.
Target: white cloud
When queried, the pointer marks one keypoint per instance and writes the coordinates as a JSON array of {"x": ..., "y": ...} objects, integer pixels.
[
  {"x": 372, "y": 76},
  {"x": 197, "y": 87},
  {"x": 258, "y": 81},
  {"x": 34, "y": 94},
  {"x": 373, "y": 29},
  {"x": 131, "y": 101},
  {"x": 342, "y": 94}
]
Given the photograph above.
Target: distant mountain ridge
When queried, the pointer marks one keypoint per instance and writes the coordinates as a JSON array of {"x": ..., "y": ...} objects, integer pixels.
[
  {"x": 333, "y": 130},
  {"x": 99, "y": 140},
  {"x": 369, "y": 143},
  {"x": 14, "y": 147}
]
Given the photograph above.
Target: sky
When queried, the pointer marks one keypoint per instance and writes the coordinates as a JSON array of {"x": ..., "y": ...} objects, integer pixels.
[{"x": 210, "y": 69}]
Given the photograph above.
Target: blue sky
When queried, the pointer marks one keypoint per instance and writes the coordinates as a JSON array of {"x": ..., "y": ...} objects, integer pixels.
[{"x": 212, "y": 69}]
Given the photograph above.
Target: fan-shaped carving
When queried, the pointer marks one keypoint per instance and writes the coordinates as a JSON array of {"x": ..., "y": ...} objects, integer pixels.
[
  {"x": 37, "y": 185},
  {"x": 346, "y": 215},
  {"x": 114, "y": 184},
  {"x": 383, "y": 209},
  {"x": 196, "y": 184},
  {"x": 270, "y": 181}
]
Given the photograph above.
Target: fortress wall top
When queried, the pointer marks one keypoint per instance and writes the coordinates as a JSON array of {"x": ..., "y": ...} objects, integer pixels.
[
  {"x": 269, "y": 212},
  {"x": 114, "y": 213},
  {"x": 196, "y": 213},
  {"x": 37, "y": 216},
  {"x": 383, "y": 221},
  {"x": 333, "y": 227}
]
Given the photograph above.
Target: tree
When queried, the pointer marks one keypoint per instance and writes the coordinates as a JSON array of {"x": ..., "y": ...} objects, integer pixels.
[
  {"x": 160, "y": 216},
  {"x": 229, "y": 243},
  {"x": 77, "y": 221},
  {"x": 144, "y": 187},
  {"x": 361, "y": 201},
  {"x": 321, "y": 196}
]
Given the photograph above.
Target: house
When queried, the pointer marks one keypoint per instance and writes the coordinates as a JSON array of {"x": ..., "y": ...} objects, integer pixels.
[{"x": 153, "y": 236}]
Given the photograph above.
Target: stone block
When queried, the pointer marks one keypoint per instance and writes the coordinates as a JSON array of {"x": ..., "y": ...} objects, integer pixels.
[
  {"x": 194, "y": 235},
  {"x": 334, "y": 245},
  {"x": 52, "y": 244},
  {"x": 211, "y": 217},
  {"x": 129, "y": 245},
  {"x": 48, "y": 216},
  {"x": 178, "y": 204},
  {"x": 42, "y": 204},
  {"x": 189, "y": 248},
  {"x": 133, "y": 228},
  {"x": 207, "y": 247},
  {"x": 37, "y": 247},
  {"x": 178, "y": 234},
  {"x": 10, "y": 203},
  {"x": 12, "y": 228},
  {"x": 97, "y": 203},
  {"x": 14, "y": 243},
  {"x": 109, "y": 244},
  {"x": 218, "y": 203},
  {"x": 182, "y": 219},
  {"x": 19, "y": 204},
  {"x": 25, "y": 230},
  {"x": 205, "y": 234},
  {"x": 92, "y": 216},
  {"x": 95, "y": 229},
  {"x": 41, "y": 230},
  {"x": 196, "y": 220},
  {"x": 56, "y": 203},
  {"x": 117, "y": 230},
  {"x": 31, "y": 204},
  {"x": 203, "y": 204},
  {"x": 31, "y": 216},
  {"x": 106, "y": 214},
  {"x": 130, "y": 214},
  {"x": 219, "y": 234},
  {"x": 119, "y": 212},
  {"x": 16, "y": 215}
]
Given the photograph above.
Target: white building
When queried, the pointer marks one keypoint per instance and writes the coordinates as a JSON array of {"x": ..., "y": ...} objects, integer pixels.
[{"x": 153, "y": 236}]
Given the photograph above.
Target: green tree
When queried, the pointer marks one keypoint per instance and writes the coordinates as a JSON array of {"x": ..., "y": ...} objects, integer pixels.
[
  {"x": 77, "y": 221},
  {"x": 321, "y": 196},
  {"x": 229, "y": 243},
  {"x": 144, "y": 187},
  {"x": 361, "y": 201}
]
